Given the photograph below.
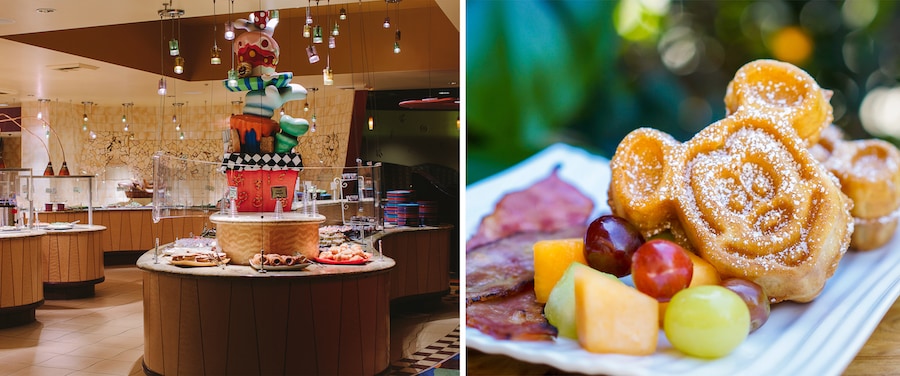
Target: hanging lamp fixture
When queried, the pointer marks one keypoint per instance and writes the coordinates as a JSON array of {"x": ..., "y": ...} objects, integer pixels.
[
  {"x": 396, "y": 33},
  {"x": 229, "y": 27},
  {"x": 312, "y": 127},
  {"x": 126, "y": 114},
  {"x": 387, "y": 17},
  {"x": 84, "y": 117},
  {"x": 317, "y": 30},
  {"x": 214, "y": 57}
]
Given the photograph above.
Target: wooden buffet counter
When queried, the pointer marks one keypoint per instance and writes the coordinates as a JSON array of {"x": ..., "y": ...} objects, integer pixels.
[
  {"x": 21, "y": 291},
  {"x": 423, "y": 260},
  {"x": 325, "y": 319},
  {"x": 132, "y": 229},
  {"x": 72, "y": 261}
]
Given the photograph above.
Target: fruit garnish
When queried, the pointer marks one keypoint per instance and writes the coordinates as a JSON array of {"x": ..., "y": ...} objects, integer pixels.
[
  {"x": 706, "y": 321},
  {"x": 560, "y": 308},
  {"x": 609, "y": 243},
  {"x": 661, "y": 268},
  {"x": 755, "y": 298},
  {"x": 612, "y": 317},
  {"x": 551, "y": 259}
]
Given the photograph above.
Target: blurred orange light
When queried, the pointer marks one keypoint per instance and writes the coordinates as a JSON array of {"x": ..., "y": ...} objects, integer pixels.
[{"x": 791, "y": 44}]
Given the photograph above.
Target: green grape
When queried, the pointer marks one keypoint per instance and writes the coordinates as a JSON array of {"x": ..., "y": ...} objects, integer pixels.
[
  {"x": 560, "y": 307},
  {"x": 706, "y": 321}
]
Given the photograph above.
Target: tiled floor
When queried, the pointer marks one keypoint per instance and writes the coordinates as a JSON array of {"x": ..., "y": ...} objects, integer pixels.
[{"x": 104, "y": 335}]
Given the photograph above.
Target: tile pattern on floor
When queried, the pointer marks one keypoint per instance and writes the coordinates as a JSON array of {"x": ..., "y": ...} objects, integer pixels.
[
  {"x": 104, "y": 335},
  {"x": 438, "y": 354}
]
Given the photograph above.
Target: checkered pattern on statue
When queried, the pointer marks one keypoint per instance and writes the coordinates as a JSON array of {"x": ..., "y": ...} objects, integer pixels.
[{"x": 266, "y": 161}]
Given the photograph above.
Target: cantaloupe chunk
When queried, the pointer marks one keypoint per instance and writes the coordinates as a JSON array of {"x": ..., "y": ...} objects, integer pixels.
[
  {"x": 551, "y": 258},
  {"x": 704, "y": 274},
  {"x": 612, "y": 317}
]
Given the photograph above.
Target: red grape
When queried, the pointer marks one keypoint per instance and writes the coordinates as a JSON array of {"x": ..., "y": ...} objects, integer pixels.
[
  {"x": 661, "y": 268},
  {"x": 609, "y": 243},
  {"x": 756, "y": 299}
]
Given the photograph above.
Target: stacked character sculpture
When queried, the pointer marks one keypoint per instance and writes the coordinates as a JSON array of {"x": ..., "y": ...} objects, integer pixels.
[{"x": 261, "y": 152}]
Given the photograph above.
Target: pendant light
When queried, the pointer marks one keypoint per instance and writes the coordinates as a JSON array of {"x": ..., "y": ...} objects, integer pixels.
[
  {"x": 312, "y": 127},
  {"x": 179, "y": 65},
  {"x": 397, "y": 33},
  {"x": 126, "y": 114},
  {"x": 84, "y": 117},
  {"x": 214, "y": 57},
  {"x": 229, "y": 27},
  {"x": 317, "y": 30},
  {"x": 343, "y": 15}
]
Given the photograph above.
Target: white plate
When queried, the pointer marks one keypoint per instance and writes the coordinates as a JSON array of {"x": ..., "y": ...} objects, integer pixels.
[
  {"x": 818, "y": 338},
  {"x": 60, "y": 226}
]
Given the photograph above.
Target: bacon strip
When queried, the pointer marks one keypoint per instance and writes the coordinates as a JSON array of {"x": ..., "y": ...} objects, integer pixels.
[
  {"x": 504, "y": 267},
  {"x": 517, "y": 317},
  {"x": 549, "y": 205}
]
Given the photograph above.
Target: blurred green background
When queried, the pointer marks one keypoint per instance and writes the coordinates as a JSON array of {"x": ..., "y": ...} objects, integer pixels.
[{"x": 588, "y": 72}]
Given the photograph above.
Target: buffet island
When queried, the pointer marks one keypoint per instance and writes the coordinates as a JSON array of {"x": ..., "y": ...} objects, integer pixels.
[
  {"x": 72, "y": 260},
  {"x": 21, "y": 290},
  {"x": 234, "y": 319}
]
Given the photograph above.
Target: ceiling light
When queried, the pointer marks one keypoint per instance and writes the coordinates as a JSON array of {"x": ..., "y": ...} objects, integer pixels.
[
  {"x": 336, "y": 30},
  {"x": 312, "y": 54},
  {"x": 332, "y": 42},
  {"x": 371, "y": 123},
  {"x": 307, "y": 31},
  {"x": 229, "y": 31},
  {"x": 387, "y": 23},
  {"x": 45, "y": 10},
  {"x": 317, "y": 34},
  {"x": 232, "y": 78},
  {"x": 343, "y": 15},
  {"x": 161, "y": 89},
  {"x": 173, "y": 47},
  {"x": 396, "y": 47},
  {"x": 214, "y": 57},
  {"x": 328, "y": 76},
  {"x": 179, "y": 65}
]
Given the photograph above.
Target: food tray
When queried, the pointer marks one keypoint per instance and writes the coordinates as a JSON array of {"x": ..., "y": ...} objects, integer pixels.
[
  {"x": 191, "y": 263},
  {"x": 817, "y": 338},
  {"x": 295, "y": 267}
]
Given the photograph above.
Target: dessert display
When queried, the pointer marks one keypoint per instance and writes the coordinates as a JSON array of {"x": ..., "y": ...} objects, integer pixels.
[
  {"x": 261, "y": 156},
  {"x": 198, "y": 258},
  {"x": 705, "y": 235},
  {"x": 277, "y": 262},
  {"x": 345, "y": 253},
  {"x": 333, "y": 235}
]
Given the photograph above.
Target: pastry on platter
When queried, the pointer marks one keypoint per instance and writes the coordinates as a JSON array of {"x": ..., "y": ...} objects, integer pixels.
[
  {"x": 783, "y": 90},
  {"x": 746, "y": 195},
  {"x": 869, "y": 172}
]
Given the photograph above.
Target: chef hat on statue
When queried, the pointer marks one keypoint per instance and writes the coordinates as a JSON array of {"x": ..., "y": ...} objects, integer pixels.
[{"x": 256, "y": 50}]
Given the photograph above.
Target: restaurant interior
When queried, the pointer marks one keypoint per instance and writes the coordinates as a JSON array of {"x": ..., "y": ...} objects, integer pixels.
[{"x": 117, "y": 115}]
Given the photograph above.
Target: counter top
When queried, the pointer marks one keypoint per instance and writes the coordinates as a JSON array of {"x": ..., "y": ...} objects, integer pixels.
[
  {"x": 146, "y": 262},
  {"x": 74, "y": 229},
  {"x": 24, "y": 232},
  {"x": 265, "y": 217}
]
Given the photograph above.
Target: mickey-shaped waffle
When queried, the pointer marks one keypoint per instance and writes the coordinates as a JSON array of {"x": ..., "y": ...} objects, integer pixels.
[
  {"x": 745, "y": 194},
  {"x": 869, "y": 172}
]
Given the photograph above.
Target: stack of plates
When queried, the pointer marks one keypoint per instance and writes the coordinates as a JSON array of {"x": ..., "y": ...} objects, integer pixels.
[
  {"x": 428, "y": 213},
  {"x": 408, "y": 215},
  {"x": 392, "y": 208}
]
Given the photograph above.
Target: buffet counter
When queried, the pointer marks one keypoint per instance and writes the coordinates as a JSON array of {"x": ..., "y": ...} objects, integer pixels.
[
  {"x": 423, "y": 260},
  {"x": 21, "y": 291},
  {"x": 232, "y": 319},
  {"x": 72, "y": 261},
  {"x": 132, "y": 228}
]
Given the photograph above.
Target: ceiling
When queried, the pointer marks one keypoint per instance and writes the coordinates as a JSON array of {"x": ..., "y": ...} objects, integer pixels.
[{"x": 112, "y": 52}]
